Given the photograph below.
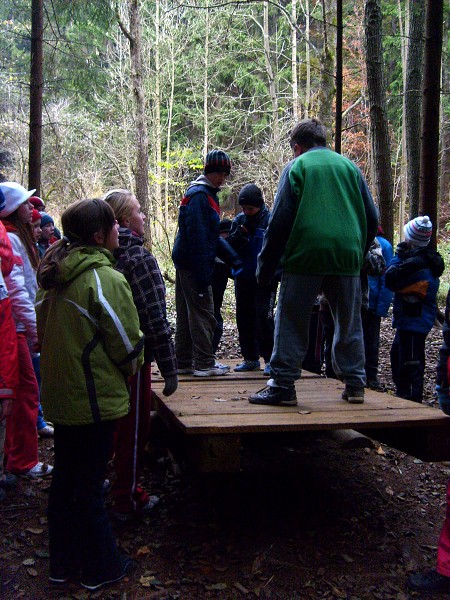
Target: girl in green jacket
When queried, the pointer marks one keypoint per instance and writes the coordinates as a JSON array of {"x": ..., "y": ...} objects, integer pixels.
[{"x": 88, "y": 329}]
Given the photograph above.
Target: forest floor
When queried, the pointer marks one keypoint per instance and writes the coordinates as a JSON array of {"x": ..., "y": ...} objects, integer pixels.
[{"x": 305, "y": 522}]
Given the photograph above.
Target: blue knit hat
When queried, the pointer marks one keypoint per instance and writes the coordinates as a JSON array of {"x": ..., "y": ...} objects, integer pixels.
[{"x": 46, "y": 219}]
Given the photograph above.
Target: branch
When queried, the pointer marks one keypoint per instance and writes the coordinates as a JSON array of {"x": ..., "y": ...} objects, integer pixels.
[{"x": 345, "y": 113}]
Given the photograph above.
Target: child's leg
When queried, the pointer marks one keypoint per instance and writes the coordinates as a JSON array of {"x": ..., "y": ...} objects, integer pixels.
[
  {"x": 131, "y": 437},
  {"x": 411, "y": 365},
  {"x": 21, "y": 445},
  {"x": 264, "y": 321},
  {"x": 79, "y": 530},
  {"x": 246, "y": 318}
]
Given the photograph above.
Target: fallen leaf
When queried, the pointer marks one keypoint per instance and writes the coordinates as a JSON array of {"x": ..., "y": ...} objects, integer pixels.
[
  {"x": 32, "y": 572},
  {"x": 143, "y": 551},
  {"x": 380, "y": 450},
  {"x": 220, "y": 400},
  {"x": 35, "y": 530},
  {"x": 216, "y": 587},
  {"x": 304, "y": 412},
  {"x": 147, "y": 581},
  {"x": 29, "y": 562}
]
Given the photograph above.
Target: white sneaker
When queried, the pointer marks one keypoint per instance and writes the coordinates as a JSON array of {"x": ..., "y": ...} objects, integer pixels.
[
  {"x": 47, "y": 431},
  {"x": 216, "y": 370},
  {"x": 39, "y": 470}
]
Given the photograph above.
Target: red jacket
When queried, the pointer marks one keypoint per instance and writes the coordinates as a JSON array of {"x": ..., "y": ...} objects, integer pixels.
[{"x": 9, "y": 372}]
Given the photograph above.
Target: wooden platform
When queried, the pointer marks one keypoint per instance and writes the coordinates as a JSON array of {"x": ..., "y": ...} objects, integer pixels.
[{"x": 207, "y": 417}]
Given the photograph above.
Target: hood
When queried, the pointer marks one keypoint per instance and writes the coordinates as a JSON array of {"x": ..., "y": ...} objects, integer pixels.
[
  {"x": 82, "y": 259},
  {"x": 202, "y": 180}
]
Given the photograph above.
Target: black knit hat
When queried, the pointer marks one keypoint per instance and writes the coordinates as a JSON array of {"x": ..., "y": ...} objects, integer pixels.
[
  {"x": 217, "y": 161},
  {"x": 251, "y": 195}
]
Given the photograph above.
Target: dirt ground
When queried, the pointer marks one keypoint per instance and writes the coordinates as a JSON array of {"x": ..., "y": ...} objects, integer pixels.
[{"x": 303, "y": 521}]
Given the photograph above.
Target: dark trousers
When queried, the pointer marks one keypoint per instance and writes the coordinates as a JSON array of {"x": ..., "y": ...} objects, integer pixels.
[
  {"x": 80, "y": 534},
  {"x": 218, "y": 284},
  {"x": 371, "y": 331},
  {"x": 254, "y": 318},
  {"x": 408, "y": 364}
]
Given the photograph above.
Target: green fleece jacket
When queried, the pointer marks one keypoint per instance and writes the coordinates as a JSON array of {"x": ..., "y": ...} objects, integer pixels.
[
  {"x": 323, "y": 220},
  {"x": 88, "y": 328}
]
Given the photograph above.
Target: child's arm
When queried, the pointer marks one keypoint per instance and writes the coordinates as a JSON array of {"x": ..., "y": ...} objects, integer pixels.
[{"x": 149, "y": 294}]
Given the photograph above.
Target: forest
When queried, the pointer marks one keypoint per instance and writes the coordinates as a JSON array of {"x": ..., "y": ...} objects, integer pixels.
[{"x": 134, "y": 93}]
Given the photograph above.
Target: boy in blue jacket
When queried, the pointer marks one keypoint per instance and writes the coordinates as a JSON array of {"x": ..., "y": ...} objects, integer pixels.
[{"x": 414, "y": 277}]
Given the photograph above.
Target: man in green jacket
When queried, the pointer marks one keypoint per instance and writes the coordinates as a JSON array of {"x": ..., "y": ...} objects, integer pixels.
[{"x": 322, "y": 225}]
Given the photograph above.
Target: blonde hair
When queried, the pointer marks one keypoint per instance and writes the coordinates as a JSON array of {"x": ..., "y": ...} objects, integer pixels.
[{"x": 121, "y": 201}]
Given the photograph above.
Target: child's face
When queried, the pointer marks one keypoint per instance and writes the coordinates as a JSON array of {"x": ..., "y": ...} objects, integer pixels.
[
  {"x": 24, "y": 212},
  {"x": 37, "y": 230},
  {"x": 47, "y": 231},
  {"x": 111, "y": 241},
  {"x": 250, "y": 211},
  {"x": 136, "y": 220}
]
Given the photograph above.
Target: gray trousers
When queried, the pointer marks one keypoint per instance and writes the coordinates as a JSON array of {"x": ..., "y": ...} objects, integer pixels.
[
  {"x": 195, "y": 323},
  {"x": 296, "y": 299}
]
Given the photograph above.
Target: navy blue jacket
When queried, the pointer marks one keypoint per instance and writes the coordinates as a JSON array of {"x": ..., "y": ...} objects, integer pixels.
[
  {"x": 196, "y": 242},
  {"x": 414, "y": 277},
  {"x": 248, "y": 245}
]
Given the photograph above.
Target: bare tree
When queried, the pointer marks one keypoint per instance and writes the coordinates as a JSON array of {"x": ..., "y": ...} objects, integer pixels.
[
  {"x": 36, "y": 84},
  {"x": 134, "y": 36},
  {"x": 413, "y": 101},
  {"x": 429, "y": 163},
  {"x": 381, "y": 148}
]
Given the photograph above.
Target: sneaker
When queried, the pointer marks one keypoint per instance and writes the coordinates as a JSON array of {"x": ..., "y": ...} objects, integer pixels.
[
  {"x": 375, "y": 385},
  {"x": 266, "y": 371},
  {"x": 429, "y": 581},
  {"x": 278, "y": 396},
  {"x": 142, "y": 511},
  {"x": 39, "y": 470},
  {"x": 185, "y": 371},
  {"x": 47, "y": 431},
  {"x": 247, "y": 365},
  {"x": 126, "y": 567},
  {"x": 8, "y": 482},
  {"x": 217, "y": 369},
  {"x": 353, "y": 394}
]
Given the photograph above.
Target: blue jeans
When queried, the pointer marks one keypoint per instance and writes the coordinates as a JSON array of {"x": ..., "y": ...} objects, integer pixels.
[
  {"x": 297, "y": 296},
  {"x": 80, "y": 534}
]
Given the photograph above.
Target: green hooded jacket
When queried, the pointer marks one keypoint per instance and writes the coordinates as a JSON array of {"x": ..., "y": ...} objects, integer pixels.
[{"x": 88, "y": 329}]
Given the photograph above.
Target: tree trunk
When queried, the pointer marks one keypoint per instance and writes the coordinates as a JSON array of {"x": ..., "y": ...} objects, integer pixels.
[
  {"x": 429, "y": 164},
  {"x": 381, "y": 149},
  {"x": 413, "y": 98},
  {"x": 141, "y": 173},
  {"x": 206, "y": 89},
  {"x": 36, "y": 84},
  {"x": 307, "y": 60},
  {"x": 294, "y": 65},
  {"x": 158, "y": 209},
  {"x": 271, "y": 78},
  {"x": 327, "y": 88},
  {"x": 339, "y": 81}
]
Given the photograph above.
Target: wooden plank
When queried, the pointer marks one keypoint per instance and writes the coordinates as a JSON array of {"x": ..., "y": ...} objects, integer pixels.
[{"x": 208, "y": 417}]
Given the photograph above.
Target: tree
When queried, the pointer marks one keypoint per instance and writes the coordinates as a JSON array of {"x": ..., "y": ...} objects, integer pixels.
[
  {"x": 134, "y": 36},
  {"x": 36, "y": 84},
  {"x": 430, "y": 123},
  {"x": 413, "y": 101},
  {"x": 381, "y": 148}
]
